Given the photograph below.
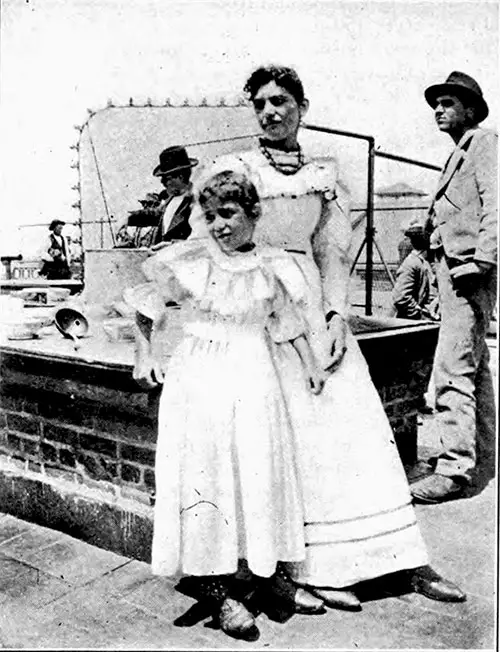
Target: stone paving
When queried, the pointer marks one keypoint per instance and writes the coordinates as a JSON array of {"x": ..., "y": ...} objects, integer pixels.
[{"x": 58, "y": 592}]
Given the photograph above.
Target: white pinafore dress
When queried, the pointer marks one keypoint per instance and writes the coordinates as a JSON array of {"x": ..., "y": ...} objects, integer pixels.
[{"x": 226, "y": 476}]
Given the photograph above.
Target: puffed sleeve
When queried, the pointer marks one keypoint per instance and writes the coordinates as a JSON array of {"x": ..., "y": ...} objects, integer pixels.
[
  {"x": 145, "y": 299},
  {"x": 163, "y": 283},
  {"x": 330, "y": 243}
]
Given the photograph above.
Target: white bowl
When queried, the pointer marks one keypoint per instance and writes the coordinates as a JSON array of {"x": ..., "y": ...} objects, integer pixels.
[
  {"x": 119, "y": 329},
  {"x": 26, "y": 329}
]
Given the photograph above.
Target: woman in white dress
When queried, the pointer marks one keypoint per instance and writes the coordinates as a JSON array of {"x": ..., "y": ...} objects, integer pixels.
[
  {"x": 359, "y": 520},
  {"x": 226, "y": 477}
]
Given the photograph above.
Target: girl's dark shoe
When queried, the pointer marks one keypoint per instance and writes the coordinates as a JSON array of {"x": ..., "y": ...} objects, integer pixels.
[
  {"x": 292, "y": 598},
  {"x": 195, "y": 614},
  {"x": 236, "y": 621}
]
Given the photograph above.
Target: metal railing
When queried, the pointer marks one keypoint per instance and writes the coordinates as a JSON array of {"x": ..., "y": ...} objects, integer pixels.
[{"x": 369, "y": 240}]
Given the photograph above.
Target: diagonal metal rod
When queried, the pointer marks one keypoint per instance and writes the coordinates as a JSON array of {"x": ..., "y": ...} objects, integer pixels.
[
  {"x": 388, "y": 271},
  {"x": 411, "y": 161},
  {"x": 102, "y": 192}
]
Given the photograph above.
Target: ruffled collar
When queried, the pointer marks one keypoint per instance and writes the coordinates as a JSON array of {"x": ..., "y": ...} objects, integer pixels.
[{"x": 238, "y": 261}]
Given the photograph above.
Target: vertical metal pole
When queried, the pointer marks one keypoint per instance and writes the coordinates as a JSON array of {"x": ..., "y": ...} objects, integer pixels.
[{"x": 369, "y": 228}]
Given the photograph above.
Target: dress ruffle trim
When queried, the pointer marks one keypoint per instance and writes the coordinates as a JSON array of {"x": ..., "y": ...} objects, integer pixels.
[{"x": 185, "y": 271}]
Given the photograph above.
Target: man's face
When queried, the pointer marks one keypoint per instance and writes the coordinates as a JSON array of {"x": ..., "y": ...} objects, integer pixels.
[
  {"x": 451, "y": 114},
  {"x": 58, "y": 229},
  {"x": 174, "y": 183}
]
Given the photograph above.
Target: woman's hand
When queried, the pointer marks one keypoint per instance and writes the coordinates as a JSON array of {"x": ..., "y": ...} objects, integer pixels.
[
  {"x": 316, "y": 378},
  {"x": 337, "y": 333}
]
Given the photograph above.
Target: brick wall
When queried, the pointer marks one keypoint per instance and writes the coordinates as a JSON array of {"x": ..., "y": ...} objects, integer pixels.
[
  {"x": 84, "y": 432},
  {"x": 85, "y": 427},
  {"x": 400, "y": 365}
]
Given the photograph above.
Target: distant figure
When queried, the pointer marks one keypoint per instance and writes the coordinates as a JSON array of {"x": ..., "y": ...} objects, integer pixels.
[
  {"x": 165, "y": 215},
  {"x": 56, "y": 255},
  {"x": 415, "y": 294}
]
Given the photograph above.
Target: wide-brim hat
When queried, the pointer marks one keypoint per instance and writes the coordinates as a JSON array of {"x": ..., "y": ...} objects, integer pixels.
[
  {"x": 172, "y": 160},
  {"x": 461, "y": 85},
  {"x": 54, "y": 223}
]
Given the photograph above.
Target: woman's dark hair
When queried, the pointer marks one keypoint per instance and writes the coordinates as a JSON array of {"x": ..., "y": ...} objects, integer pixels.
[
  {"x": 231, "y": 186},
  {"x": 285, "y": 77}
]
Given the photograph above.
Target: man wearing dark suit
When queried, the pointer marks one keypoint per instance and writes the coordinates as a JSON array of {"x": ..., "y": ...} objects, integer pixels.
[
  {"x": 164, "y": 216},
  {"x": 174, "y": 171},
  {"x": 463, "y": 222}
]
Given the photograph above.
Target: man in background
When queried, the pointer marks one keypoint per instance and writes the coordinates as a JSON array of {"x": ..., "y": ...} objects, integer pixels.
[
  {"x": 463, "y": 223},
  {"x": 164, "y": 216},
  {"x": 415, "y": 293},
  {"x": 56, "y": 254}
]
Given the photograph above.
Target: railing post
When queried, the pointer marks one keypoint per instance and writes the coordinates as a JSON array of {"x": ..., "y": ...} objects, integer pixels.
[{"x": 370, "y": 230}]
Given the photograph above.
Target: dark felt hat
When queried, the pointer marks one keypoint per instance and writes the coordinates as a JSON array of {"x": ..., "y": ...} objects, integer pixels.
[
  {"x": 415, "y": 227},
  {"x": 461, "y": 85},
  {"x": 54, "y": 223},
  {"x": 173, "y": 159}
]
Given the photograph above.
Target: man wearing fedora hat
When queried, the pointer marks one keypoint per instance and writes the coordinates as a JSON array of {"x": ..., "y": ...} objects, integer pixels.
[
  {"x": 174, "y": 171},
  {"x": 415, "y": 294},
  {"x": 164, "y": 216},
  {"x": 463, "y": 222}
]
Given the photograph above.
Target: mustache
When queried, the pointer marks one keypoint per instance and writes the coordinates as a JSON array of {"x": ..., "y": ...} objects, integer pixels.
[{"x": 271, "y": 121}]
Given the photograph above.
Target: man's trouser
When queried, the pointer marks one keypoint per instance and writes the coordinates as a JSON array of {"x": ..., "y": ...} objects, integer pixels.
[{"x": 464, "y": 388}]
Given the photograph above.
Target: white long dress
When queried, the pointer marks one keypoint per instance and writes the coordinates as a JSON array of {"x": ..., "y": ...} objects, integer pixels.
[
  {"x": 226, "y": 478},
  {"x": 359, "y": 520}
]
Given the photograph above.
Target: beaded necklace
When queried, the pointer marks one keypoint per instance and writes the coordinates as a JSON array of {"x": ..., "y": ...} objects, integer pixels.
[{"x": 290, "y": 162}]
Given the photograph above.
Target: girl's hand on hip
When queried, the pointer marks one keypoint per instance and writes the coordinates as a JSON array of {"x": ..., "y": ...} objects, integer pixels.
[
  {"x": 337, "y": 333},
  {"x": 148, "y": 374}
]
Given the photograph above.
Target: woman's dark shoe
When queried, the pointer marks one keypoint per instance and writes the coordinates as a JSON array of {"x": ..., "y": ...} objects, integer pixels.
[
  {"x": 236, "y": 621},
  {"x": 426, "y": 581},
  {"x": 308, "y": 603},
  {"x": 336, "y": 598}
]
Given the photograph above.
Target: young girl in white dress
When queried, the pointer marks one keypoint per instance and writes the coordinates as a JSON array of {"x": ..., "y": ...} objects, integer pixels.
[{"x": 226, "y": 477}]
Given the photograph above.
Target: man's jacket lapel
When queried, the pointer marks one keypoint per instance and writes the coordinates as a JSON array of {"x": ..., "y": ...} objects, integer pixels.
[
  {"x": 454, "y": 163},
  {"x": 180, "y": 213}
]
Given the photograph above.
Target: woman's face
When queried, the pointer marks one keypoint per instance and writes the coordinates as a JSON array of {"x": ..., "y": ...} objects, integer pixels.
[{"x": 278, "y": 113}]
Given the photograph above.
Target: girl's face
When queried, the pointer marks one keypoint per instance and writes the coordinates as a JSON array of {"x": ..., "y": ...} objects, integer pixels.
[
  {"x": 278, "y": 113},
  {"x": 228, "y": 224}
]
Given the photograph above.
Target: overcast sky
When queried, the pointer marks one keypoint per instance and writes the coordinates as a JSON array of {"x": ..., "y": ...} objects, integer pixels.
[{"x": 365, "y": 66}]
